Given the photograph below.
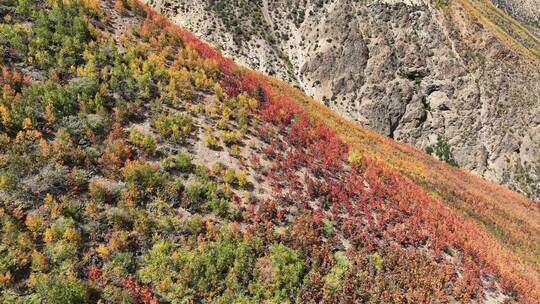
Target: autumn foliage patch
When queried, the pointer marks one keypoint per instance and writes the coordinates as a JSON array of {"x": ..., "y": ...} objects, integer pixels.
[{"x": 151, "y": 169}]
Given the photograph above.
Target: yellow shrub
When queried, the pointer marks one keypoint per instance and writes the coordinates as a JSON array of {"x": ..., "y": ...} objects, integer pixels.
[
  {"x": 241, "y": 178},
  {"x": 118, "y": 5},
  {"x": 228, "y": 175},
  {"x": 116, "y": 243},
  {"x": 34, "y": 222},
  {"x": 216, "y": 168},
  {"x": 91, "y": 209},
  {"x": 72, "y": 235},
  {"x": 229, "y": 137},
  {"x": 91, "y": 4},
  {"x": 27, "y": 123},
  {"x": 210, "y": 140},
  {"x": 4, "y": 114},
  {"x": 5, "y": 277},
  {"x": 103, "y": 251},
  {"x": 355, "y": 158},
  {"x": 144, "y": 141},
  {"x": 48, "y": 235},
  {"x": 44, "y": 147},
  {"x": 4, "y": 140},
  {"x": 235, "y": 150}
]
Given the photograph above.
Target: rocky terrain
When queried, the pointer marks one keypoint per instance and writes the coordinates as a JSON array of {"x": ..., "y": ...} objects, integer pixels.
[
  {"x": 526, "y": 11},
  {"x": 459, "y": 74}
]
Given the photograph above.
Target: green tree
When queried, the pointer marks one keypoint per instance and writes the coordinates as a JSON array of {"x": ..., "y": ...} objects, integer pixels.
[{"x": 443, "y": 151}]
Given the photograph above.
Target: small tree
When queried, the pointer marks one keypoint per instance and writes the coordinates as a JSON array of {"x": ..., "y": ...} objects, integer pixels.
[{"x": 443, "y": 151}]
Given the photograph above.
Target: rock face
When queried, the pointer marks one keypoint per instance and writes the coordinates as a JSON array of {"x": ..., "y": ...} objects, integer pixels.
[
  {"x": 526, "y": 11},
  {"x": 415, "y": 70}
]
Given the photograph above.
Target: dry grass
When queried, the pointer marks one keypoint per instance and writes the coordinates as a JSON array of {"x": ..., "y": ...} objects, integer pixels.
[{"x": 508, "y": 30}]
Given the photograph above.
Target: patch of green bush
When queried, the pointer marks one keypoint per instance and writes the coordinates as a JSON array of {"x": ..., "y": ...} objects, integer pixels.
[{"x": 443, "y": 151}]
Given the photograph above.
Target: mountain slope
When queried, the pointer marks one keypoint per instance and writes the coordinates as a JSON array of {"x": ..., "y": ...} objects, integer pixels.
[
  {"x": 418, "y": 71},
  {"x": 139, "y": 165},
  {"x": 526, "y": 11}
]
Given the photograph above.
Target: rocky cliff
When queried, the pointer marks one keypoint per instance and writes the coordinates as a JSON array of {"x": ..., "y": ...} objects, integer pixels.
[{"x": 462, "y": 74}]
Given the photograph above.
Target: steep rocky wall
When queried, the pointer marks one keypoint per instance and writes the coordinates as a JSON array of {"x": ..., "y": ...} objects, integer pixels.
[{"x": 414, "y": 70}]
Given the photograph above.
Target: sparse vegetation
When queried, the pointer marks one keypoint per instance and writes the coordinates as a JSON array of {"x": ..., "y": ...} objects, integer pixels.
[{"x": 235, "y": 14}]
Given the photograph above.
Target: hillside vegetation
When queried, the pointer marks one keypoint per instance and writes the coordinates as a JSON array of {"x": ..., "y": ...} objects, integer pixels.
[
  {"x": 461, "y": 75},
  {"x": 138, "y": 165}
]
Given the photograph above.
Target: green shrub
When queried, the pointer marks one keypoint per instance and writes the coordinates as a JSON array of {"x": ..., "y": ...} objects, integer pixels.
[
  {"x": 61, "y": 251},
  {"x": 229, "y": 138},
  {"x": 113, "y": 294},
  {"x": 355, "y": 157},
  {"x": 175, "y": 127},
  {"x": 98, "y": 192},
  {"x": 117, "y": 216},
  {"x": 443, "y": 151},
  {"x": 200, "y": 192},
  {"x": 376, "y": 259},
  {"x": 119, "y": 265},
  {"x": 7, "y": 180},
  {"x": 60, "y": 225},
  {"x": 180, "y": 162},
  {"x": 222, "y": 207},
  {"x": 78, "y": 179},
  {"x": 328, "y": 227},
  {"x": 142, "y": 175},
  {"x": 11, "y": 297},
  {"x": 171, "y": 190},
  {"x": 281, "y": 274},
  {"x": 212, "y": 268},
  {"x": 24, "y": 7},
  {"x": 334, "y": 280},
  {"x": 146, "y": 142},
  {"x": 228, "y": 175},
  {"x": 59, "y": 290}
]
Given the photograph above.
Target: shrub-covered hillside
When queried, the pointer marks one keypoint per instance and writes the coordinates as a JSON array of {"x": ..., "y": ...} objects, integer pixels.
[{"x": 139, "y": 166}]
